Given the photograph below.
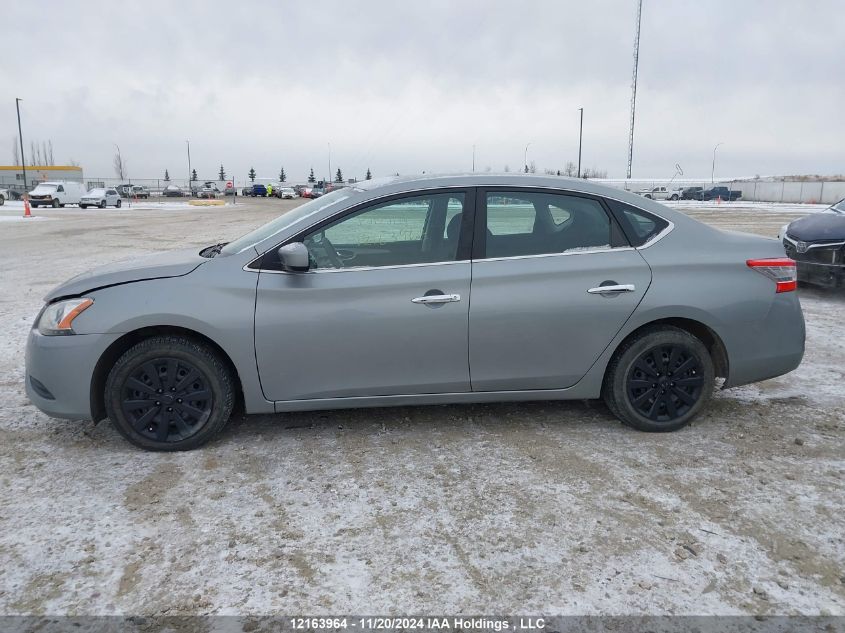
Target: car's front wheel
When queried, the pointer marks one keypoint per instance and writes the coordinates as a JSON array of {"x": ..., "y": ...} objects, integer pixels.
[
  {"x": 118, "y": 204},
  {"x": 659, "y": 380},
  {"x": 169, "y": 393},
  {"x": 55, "y": 204}
]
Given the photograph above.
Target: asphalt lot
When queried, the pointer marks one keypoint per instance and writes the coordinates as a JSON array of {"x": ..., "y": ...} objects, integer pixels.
[{"x": 511, "y": 508}]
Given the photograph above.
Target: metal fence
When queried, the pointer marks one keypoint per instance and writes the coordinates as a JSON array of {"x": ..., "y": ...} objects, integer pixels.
[{"x": 754, "y": 190}]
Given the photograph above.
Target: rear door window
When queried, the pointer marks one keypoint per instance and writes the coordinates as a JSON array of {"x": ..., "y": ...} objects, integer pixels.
[
  {"x": 521, "y": 223},
  {"x": 640, "y": 226}
]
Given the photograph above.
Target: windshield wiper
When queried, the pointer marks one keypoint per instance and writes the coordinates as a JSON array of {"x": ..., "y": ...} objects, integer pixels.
[{"x": 211, "y": 251}]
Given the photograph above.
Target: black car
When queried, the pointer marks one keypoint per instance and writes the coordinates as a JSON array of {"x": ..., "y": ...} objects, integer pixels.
[
  {"x": 246, "y": 191},
  {"x": 172, "y": 191},
  {"x": 720, "y": 193},
  {"x": 691, "y": 193},
  {"x": 817, "y": 244}
]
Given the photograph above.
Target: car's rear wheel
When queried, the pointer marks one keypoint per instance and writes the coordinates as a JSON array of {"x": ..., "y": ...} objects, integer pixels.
[
  {"x": 83, "y": 206},
  {"x": 674, "y": 197},
  {"x": 169, "y": 393},
  {"x": 118, "y": 204},
  {"x": 659, "y": 380}
]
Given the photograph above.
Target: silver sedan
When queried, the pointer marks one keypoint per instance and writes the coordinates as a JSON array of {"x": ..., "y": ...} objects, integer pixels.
[{"x": 456, "y": 289}]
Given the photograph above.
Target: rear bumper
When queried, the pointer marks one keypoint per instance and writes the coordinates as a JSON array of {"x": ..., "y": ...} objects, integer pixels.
[
  {"x": 59, "y": 370},
  {"x": 826, "y": 275},
  {"x": 768, "y": 348}
]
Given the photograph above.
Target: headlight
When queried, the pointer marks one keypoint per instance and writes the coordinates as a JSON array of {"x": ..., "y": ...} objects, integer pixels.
[{"x": 58, "y": 317}]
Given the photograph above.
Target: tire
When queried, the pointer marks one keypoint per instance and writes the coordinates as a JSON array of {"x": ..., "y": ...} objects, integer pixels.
[
  {"x": 172, "y": 360},
  {"x": 675, "y": 197},
  {"x": 118, "y": 204},
  {"x": 2, "y": 201},
  {"x": 33, "y": 205},
  {"x": 637, "y": 379},
  {"x": 83, "y": 206},
  {"x": 648, "y": 196},
  {"x": 55, "y": 204},
  {"x": 102, "y": 204}
]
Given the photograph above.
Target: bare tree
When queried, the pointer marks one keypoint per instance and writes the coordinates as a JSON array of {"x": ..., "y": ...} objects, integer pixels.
[
  {"x": 119, "y": 166},
  {"x": 532, "y": 167},
  {"x": 16, "y": 157},
  {"x": 570, "y": 169},
  {"x": 50, "y": 152},
  {"x": 33, "y": 155},
  {"x": 507, "y": 168},
  {"x": 73, "y": 162}
]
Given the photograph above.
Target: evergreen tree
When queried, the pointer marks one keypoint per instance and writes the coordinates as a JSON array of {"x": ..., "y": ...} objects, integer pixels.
[
  {"x": 194, "y": 177},
  {"x": 252, "y": 174},
  {"x": 369, "y": 175},
  {"x": 339, "y": 176},
  {"x": 282, "y": 176},
  {"x": 222, "y": 173},
  {"x": 311, "y": 178},
  {"x": 166, "y": 176}
]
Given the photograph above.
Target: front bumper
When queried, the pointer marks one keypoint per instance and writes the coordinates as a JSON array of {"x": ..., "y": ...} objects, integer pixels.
[
  {"x": 826, "y": 275},
  {"x": 59, "y": 371}
]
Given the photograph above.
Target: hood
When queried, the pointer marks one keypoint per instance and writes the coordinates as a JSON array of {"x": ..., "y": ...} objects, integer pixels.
[
  {"x": 156, "y": 266},
  {"x": 818, "y": 227}
]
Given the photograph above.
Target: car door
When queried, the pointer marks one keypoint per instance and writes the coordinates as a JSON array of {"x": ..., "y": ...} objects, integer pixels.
[
  {"x": 539, "y": 317},
  {"x": 381, "y": 311}
]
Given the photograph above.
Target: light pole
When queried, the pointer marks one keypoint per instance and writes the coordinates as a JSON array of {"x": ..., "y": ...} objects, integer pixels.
[
  {"x": 20, "y": 136},
  {"x": 188, "y": 143},
  {"x": 331, "y": 178},
  {"x": 713, "y": 167},
  {"x": 525, "y": 157},
  {"x": 473, "y": 158},
  {"x": 580, "y": 137}
]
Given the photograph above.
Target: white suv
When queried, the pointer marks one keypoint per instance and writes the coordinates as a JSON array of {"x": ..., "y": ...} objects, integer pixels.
[{"x": 101, "y": 198}]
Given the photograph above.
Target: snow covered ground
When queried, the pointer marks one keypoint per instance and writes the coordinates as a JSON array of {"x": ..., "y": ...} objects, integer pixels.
[{"x": 512, "y": 508}]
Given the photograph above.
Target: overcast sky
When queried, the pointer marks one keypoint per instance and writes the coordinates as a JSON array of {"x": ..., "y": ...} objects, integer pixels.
[{"x": 412, "y": 86}]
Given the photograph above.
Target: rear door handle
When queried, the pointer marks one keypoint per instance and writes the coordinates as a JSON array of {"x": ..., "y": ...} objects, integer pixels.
[
  {"x": 427, "y": 299},
  {"x": 600, "y": 290}
]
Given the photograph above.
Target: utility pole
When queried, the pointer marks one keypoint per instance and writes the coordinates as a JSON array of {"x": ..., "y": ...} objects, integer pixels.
[
  {"x": 190, "y": 189},
  {"x": 473, "y": 159},
  {"x": 328, "y": 182},
  {"x": 20, "y": 136},
  {"x": 580, "y": 137},
  {"x": 634, "y": 87},
  {"x": 525, "y": 158}
]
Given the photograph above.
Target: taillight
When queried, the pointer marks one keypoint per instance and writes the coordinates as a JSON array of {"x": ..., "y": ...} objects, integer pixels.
[{"x": 781, "y": 270}]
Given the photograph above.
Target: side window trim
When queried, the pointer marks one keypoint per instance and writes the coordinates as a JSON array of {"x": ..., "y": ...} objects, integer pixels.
[
  {"x": 617, "y": 209},
  {"x": 268, "y": 261},
  {"x": 618, "y": 237}
]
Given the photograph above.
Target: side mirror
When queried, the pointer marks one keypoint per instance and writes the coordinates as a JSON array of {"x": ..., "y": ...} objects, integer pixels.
[{"x": 294, "y": 256}]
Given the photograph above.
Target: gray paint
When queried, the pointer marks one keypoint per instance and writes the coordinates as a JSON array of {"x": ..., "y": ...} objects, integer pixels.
[{"x": 524, "y": 329}]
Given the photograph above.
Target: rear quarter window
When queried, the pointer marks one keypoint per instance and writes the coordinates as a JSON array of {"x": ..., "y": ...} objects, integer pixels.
[{"x": 640, "y": 226}]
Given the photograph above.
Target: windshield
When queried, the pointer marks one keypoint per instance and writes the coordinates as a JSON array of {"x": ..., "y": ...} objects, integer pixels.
[
  {"x": 97, "y": 192},
  {"x": 283, "y": 221},
  {"x": 45, "y": 187},
  {"x": 839, "y": 207}
]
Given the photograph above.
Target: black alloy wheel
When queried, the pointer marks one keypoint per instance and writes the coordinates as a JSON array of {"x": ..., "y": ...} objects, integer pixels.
[
  {"x": 665, "y": 382},
  {"x": 659, "y": 379},
  {"x": 167, "y": 400}
]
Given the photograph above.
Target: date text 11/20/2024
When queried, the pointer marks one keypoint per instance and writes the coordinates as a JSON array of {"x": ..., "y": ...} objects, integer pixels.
[{"x": 419, "y": 623}]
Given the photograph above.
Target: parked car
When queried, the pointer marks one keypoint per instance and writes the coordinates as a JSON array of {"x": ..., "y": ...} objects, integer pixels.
[
  {"x": 207, "y": 192},
  {"x": 4, "y": 193},
  {"x": 172, "y": 191},
  {"x": 660, "y": 193},
  {"x": 286, "y": 193},
  {"x": 259, "y": 191},
  {"x": 101, "y": 198},
  {"x": 139, "y": 191},
  {"x": 691, "y": 193},
  {"x": 817, "y": 244},
  {"x": 543, "y": 289},
  {"x": 56, "y": 194},
  {"x": 305, "y": 192},
  {"x": 722, "y": 193},
  {"x": 230, "y": 191},
  {"x": 246, "y": 191},
  {"x": 316, "y": 192}
]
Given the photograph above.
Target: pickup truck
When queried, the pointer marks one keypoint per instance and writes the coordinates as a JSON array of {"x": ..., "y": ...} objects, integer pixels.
[
  {"x": 722, "y": 193},
  {"x": 660, "y": 193}
]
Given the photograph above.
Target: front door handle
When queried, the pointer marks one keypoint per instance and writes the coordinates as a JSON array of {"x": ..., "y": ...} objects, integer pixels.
[
  {"x": 428, "y": 299},
  {"x": 600, "y": 290}
]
